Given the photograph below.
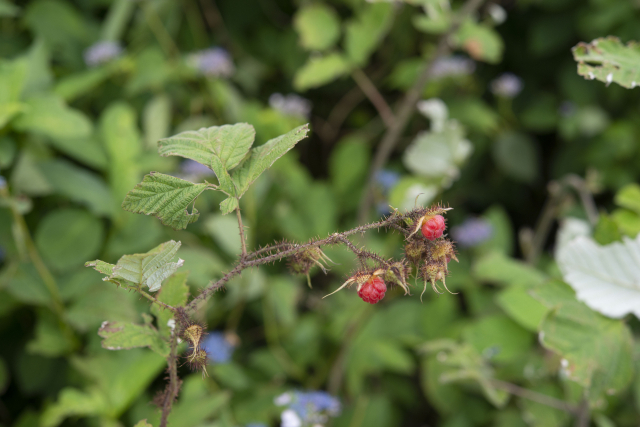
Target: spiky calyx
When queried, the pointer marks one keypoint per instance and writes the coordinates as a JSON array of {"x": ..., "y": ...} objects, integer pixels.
[
  {"x": 432, "y": 217},
  {"x": 372, "y": 290},
  {"x": 302, "y": 262},
  {"x": 432, "y": 271}
]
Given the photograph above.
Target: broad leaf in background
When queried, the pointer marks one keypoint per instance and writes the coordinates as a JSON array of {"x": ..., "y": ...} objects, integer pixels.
[
  {"x": 606, "y": 278},
  {"x": 466, "y": 364},
  {"x": 166, "y": 197},
  {"x": 50, "y": 116},
  {"x": 597, "y": 351},
  {"x": 174, "y": 293},
  {"x": 124, "y": 336},
  {"x": 320, "y": 70},
  {"x": 148, "y": 269},
  {"x": 12, "y": 79},
  {"x": 608, "y": 60},
  {"x": 364, "y": 33},
  {"x": 480, "y": 41},
  {"x": 318, "y": 26}
]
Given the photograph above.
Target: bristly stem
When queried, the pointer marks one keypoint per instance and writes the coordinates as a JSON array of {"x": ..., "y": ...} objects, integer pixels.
[
  {"x": 284, "y": 250},
  {"x": 408, "y": 105},
  {"x": 242, "y": 239},
  {"x": 173, "y": 386}
]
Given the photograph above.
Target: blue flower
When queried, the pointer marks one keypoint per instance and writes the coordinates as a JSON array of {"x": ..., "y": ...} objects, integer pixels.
[
  {"x": 507, "y": 85},
  {"x": 218, "y": 348},
  {"x": 290, "y": 105},
  {"x": 102, "y": 52},
  {"x": 307, "y": 408},
  {"x": 453, "y": 66},
  {"x": 387, "y": 179},
  {"x": 192, "y": 168},
  {"x": 472, "y": 232},
  {"x": 214, "y": 62}
]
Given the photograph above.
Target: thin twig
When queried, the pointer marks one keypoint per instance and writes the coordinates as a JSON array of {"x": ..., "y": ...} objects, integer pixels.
[
  {"x": 372, "y": 93},
  {"x": 154, "y": 299},
  {"x": 579, "y": 184},
  {"x": 241, "y": 227},
  {"x": 408, "y": 105},
  {"x": 535, "y": 396},
  {"x": 583, "y": 415}
]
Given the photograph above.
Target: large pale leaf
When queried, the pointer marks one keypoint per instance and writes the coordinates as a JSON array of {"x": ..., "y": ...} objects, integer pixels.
[
  {"x": 166, "y": 197},
  {"x": 606, "y": 278},
  {"x": 124, "y": 336},
  {"x": 262, "y": 157},
  {"x": 148, "y": 269},
  {"x": 608, "y": 60},
  {"x": 229, "y": 143}
]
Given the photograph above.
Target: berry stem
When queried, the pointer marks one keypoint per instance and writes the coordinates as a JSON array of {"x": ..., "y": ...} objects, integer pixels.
[{"x": 241, "y": 228}]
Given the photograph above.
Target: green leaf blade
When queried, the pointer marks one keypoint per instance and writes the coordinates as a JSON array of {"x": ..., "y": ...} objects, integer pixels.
[
  {"x": 124, "y": 336},
  {"x": 262, "y": 157},
  {"x": 608, "y": 60},
  {"x": 229, "y": 143},
  {"x": 166, "y": 197}
]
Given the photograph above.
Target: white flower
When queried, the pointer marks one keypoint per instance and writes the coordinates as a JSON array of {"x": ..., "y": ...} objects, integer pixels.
[
  {"x": 290, "y": 105},
  {"x": 290, "y": 419},
  {"x": 507, "y": 85},
  {"x": 283, "y": 399},
  {"x": 497, "y": 13},
  {"x": 102, "y": 52}
]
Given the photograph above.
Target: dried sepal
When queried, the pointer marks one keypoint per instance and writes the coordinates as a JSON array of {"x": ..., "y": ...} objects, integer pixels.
[
  {"x": 432, "y": 271},
  {"x": 396, "y": 273},
  {"x": 360, "y": 278},
  {"x": 197, "y": 360}
]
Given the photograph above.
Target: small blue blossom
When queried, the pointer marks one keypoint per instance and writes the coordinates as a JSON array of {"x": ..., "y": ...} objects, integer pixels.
[
  {"x": 192, "y": 168},
  {"x": 387, "y": 179},
  {"x": 102, "y": 52},
  {"x": 290, "y": 105},
  {"x": 218, "y": 348},
  {"x": 307, "y": 408},
  {"x": 507, "y": 85},
  {"x": 453, "y": 66},
  {"x": 214, "y": 62},
  {"x": 472, "y": 232}
]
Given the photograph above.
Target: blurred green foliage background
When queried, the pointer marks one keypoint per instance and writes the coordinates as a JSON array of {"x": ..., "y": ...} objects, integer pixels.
[{"x": 88, "y": 87}]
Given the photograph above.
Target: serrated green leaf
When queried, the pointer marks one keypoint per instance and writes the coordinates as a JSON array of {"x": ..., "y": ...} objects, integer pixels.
[
  {"x": 320, "y": 70},
  {"x": 364, "y": 33},
  {"x": 228, "y": 205},
  {"x": 147, "y": 269},
  {"x": 229, "y": 143},
  {"x": 224, "y": 179},
  {"x": 124, "y": 336},
  {"x": 318, "y": 26},
  {"x": 166, "y": 197},
  {"x": 262, "y": 157},
  {"x": 174, "y": 293},
  {"x": 608, "y": 60}
]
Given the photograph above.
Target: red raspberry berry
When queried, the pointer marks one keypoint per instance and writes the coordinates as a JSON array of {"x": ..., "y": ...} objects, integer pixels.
[
  {"x": 433, "y": 227},
  {"x": 373, "y": 290}
]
